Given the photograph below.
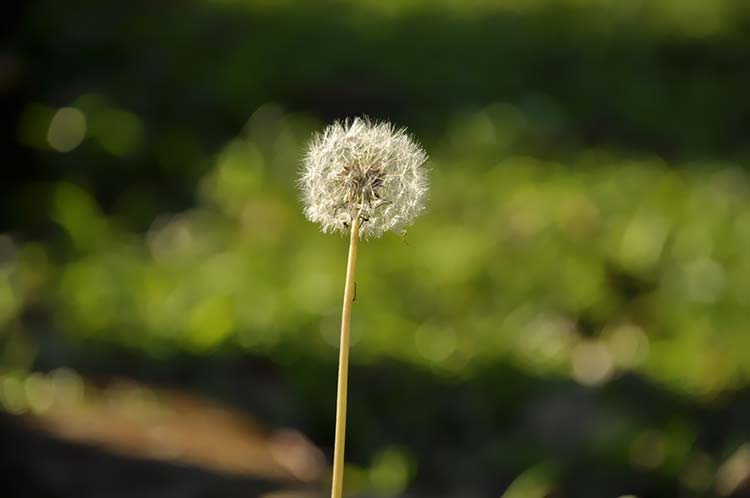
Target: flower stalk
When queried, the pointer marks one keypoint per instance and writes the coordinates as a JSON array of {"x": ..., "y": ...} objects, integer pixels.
[{"x": 343, "y": 380}]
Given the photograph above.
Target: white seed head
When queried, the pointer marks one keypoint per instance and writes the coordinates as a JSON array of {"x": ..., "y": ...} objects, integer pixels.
[{"x": 363, "y": 169}]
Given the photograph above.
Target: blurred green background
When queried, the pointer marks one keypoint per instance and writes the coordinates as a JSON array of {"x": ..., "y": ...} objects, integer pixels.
[{"x": 569, "y": 319}]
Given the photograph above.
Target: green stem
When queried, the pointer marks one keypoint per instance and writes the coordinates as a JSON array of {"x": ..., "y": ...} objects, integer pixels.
[{"x": 346, "y": 314}]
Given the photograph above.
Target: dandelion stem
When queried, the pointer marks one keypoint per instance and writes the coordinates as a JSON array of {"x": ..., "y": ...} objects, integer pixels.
[{"x": 346, "y": 313}]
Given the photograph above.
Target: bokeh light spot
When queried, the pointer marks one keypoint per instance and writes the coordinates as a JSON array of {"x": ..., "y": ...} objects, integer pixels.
[
  {"x": 535, "y": 482},
  {"x": 704, "y": 280},
  {"x": 119, "y": 132},
  {"x": 9, "y": 301},
  {"x": 390, "y": 472},
  {"x": 628, "y": 344},
  {"x": 435, "y": 344},
  {"x": 39, "y": 393},
  {"x": 12, "y": 394},
  {"x": 547, "y": 339},
  {"x": 642, "y": 241},
  {"x": 648, "y": 450},
  {"x": 67, "y": 385},
  {"x": 592, "y": 363},
  {"x": 210, "y": 322},
  {"x": 698, "y": 473},
  {"x": 67, "y": 129}
]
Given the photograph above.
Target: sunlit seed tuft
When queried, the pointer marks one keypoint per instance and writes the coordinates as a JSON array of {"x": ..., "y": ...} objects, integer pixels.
[{"x": 363, "y": 169}]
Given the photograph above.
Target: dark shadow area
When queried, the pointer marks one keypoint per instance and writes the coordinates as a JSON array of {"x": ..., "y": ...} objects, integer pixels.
[
  {"x": 33, "y": 465},
  {"x": 195, "y": 72},
  {"x": 475, "y": 434}
]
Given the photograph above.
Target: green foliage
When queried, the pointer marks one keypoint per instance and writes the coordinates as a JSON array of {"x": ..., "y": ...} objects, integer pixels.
[{"x": 599, "y": 266}]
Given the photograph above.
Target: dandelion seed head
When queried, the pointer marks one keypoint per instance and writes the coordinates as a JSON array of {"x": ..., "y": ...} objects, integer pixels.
[{"x": 363, "y": 169}]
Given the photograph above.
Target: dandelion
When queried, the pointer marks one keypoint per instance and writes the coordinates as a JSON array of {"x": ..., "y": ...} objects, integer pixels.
[
  {"x": 363, "y": 178},
  {"x": 372, "y": 172}
]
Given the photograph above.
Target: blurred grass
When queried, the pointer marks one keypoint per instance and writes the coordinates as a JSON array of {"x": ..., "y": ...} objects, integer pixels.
[{"x": 601, "y": 265}]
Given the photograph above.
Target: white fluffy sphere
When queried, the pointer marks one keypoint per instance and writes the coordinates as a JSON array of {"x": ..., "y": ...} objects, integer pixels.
[{"x": 365, "y": 169}]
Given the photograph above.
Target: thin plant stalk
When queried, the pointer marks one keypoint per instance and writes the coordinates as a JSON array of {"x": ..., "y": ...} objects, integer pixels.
[
  {"x": 353, "y": 171},
  {"x": 346, "y": 314}
]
